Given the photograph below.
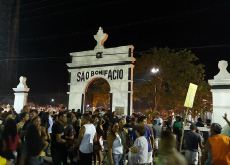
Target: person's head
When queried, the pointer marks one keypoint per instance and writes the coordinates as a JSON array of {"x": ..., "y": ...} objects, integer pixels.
[
  {"x": 85, "y": 119},
  {"x": 167, "y": 143},
  {"x": 215, "y": 128},
  {"x": 128, "y": 119},
  {"x": 178, "y": 119},
  {"x": 154, "y": 122},
  {"x": 140, "y": 130},
  {"x": 114, "y": 113},
  {"x": 192, "y": 127},
  {"x": 199, "y": 119},
  {"x": 208, "y": 122},
  {"x": 10, "y": 128},
  {"x": 73, "y": 115},
  {"x": 41, "y": 113},
  {"x": 50, "y": 111},
  {"x": 25, "y": 116},
  {"x": 36, "y": 121},
  {"x": 142, "y": 120},
  {"x": 26, "y": 108},
  {"x": 73, "y": 110},
  {"x": 62, "y": 117},
  {"x": 33, "y": 113},
  {"x": 95, "y": 119},
  {"x": 157, "y": 115},
  {"x": 9, "y": 115},
  {"x": 114, "y": 127},
  {"x": 121, "y": 123}
]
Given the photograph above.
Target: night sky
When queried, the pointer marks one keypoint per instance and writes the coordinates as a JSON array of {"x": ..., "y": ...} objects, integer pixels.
[{"x": 51, "y": 29}]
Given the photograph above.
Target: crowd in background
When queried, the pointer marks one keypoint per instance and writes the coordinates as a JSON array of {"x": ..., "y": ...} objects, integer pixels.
[{"x": 102, "y": 137}]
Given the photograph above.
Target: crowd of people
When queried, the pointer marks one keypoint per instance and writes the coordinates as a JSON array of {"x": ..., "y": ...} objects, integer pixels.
[{"x": 101, "y": 137}]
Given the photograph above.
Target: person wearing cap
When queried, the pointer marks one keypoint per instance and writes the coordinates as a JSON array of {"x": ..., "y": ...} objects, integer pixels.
[{"x": 219, "y": 146}]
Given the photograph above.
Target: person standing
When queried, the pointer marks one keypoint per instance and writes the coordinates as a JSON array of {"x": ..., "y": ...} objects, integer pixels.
[
  {"x": 58, "y": 151},
  {"x": 50, "y": 111},
  {"x": 140, "y": 147},
  {"x": 143, "y": 121},
  {"x": 115, "y": 147},
  {"x": 192, "y": 140},
  {"x": 157, "y": 135},
  {"x": 87, "y": 136},
  {"x": 219, "y": 146}
]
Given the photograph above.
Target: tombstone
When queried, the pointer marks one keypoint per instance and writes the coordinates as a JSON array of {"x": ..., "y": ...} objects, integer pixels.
[
  {"x": 115, "y": 65},
  {"x": 21, "y": 94},
  {"x": 220, "y": 88}
]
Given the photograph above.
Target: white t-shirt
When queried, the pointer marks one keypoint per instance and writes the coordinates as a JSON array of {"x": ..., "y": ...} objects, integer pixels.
[{"x": 142, "y": 153}]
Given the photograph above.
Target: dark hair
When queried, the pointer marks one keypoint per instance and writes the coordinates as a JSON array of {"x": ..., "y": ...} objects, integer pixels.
[
  {"x": 141, "y": 119},
  {"x": 34, "y": 141},
  {"x": 10, "y": 129},
  {"x": 199, "y": 119},
  {"x": 33, "y": 110},
  {"x": 45, "y": 120},
  {"x": 24, "y": 114},
  {"x": 34, "y": 119},
  {"x": 41, "y": 114},
  {"x": 128, "y": 119},
  {"x": 112, "y": 124},
  {"x": 208, "y": 121},
  {"x": 178, "y": 117},
  {"x": 87, "y": 117},
  {"x": 55, "y": 117},
  {"x": 141, "y": 130},
  {"x": 61, "y": 114},
  {"x": 192, "y": 127}
]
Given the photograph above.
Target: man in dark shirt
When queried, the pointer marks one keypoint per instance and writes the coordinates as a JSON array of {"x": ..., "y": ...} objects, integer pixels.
[
  {"x": 58, "y": 151},
  {"x": 199, "y": 122},
  {"x": 192, "y": 140}
]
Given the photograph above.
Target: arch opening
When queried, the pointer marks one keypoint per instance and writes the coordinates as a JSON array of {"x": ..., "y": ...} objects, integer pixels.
[{"x": 97, "y": 94}]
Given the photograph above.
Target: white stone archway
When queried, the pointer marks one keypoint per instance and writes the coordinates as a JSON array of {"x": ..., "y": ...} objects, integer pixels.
[{"x": 115, "y": 65}]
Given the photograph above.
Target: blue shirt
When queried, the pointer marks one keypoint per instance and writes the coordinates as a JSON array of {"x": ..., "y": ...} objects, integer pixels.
[
  {"x": 133, "y": 136},
  {"x": 51, "y": 124}
]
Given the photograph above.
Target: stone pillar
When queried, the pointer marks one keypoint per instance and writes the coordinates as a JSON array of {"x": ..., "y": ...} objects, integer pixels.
[
  {"x": 220, "y": 88},
  {"x": 21, "y": 94}
]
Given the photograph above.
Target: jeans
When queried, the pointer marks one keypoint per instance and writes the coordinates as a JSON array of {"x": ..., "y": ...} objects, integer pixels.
[{"x": 117, "y": 159}]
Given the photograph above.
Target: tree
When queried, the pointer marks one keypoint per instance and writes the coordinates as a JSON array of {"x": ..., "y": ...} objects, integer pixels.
[
  {"x": 168, "y": 88},
  {"x": 98, "y": 92}
]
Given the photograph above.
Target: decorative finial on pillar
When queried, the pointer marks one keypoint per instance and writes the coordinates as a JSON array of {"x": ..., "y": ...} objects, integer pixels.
[
  {"x": 223, "y": 74},
  {"x": 100, "y": 37},
  {"x": 22, "y": 83}
]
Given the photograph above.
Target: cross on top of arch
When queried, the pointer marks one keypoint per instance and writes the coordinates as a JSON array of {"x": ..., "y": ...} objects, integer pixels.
[{"x": 100, "y": 37}]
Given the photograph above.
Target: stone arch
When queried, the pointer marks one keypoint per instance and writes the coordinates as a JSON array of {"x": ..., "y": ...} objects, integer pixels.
[{"x": 115, "y": 65}]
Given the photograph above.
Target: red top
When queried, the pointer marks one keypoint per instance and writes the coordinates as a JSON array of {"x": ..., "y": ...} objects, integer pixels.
[{"x": 13, "y": 144}]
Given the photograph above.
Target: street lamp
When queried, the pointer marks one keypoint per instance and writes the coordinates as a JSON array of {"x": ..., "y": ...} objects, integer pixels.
[
  {"x": 155, "y": 71},
  {"x": 52, "y": 100}
]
